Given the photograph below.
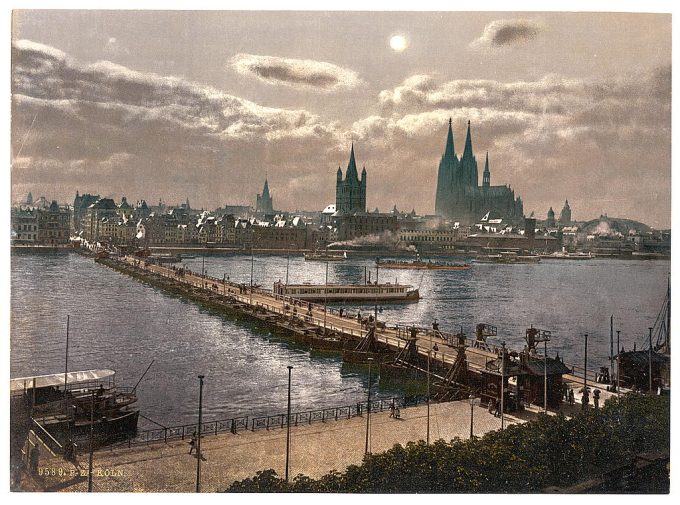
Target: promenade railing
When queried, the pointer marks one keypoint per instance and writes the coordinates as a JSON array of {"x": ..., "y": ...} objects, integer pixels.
[{"x": 246, "y": 423}]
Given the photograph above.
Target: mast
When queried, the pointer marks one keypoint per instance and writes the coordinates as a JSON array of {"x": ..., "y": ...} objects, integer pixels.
[{"x": 668, "y": 318}]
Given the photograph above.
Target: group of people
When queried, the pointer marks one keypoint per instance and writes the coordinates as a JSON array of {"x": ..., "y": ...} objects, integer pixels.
[{"x": 394, "y": 411}]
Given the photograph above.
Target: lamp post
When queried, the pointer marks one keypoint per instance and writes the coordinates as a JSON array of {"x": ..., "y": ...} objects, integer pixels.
[
  {"x": 502, "y": 385},
  {"x": 618, "y": 363},
  {"x": 288, "y": 264},
  {"x": 429, "y": 353},
  {"x": 290, "y": 371},
  {"x": 198, "y": 442},
  {"x": 473, "y": 401},
  {"x": 368, "y": 406},
  {"x": 545, "y": 376},
  {"x": 650, "y": 360},
  {"x": 585, "y": 373}
]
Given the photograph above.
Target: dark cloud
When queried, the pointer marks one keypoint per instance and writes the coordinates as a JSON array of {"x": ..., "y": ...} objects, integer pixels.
[
  {"x": 507, "y": 33},
  {"x": 107, "y": 126},
  {"x": 308, "y": 74}
]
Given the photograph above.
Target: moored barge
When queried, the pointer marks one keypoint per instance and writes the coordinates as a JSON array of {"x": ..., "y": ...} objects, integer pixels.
[{"x": 348, "y": 292}]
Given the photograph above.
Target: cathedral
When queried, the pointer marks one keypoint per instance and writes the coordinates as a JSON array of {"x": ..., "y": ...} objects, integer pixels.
[
  {"x": 459, "y": 197},
  {"x": 350, "y": 194}
]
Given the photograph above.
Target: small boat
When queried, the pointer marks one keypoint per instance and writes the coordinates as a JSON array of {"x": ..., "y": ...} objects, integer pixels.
[
  {"x": 567, "y": 256},
  {"x": 348, "y": 292},
  {"x": 418, "y": 264},
  {"x": 507, "y": 258},
  {"x": 325, "y": 256}
]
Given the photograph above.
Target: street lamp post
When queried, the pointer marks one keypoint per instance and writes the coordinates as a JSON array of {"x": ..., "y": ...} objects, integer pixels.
[
  {"x": 368, "y": 406},
  {"x": 290, "y": 371},
  {"x": 585, "y": 373},
  {"x": 618, "y": 363},
  {"x": 198, "y": 442},
  {"x": 429, "y": 353},
  {"x": 473, "y": 401},
  {"x": 650, "y": 360},
  {"x": 502, "y": 385},
  {"x": 545, "y": 376}
]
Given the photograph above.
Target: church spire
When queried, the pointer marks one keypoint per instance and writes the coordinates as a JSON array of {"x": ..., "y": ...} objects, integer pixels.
[
  {"x": 265, "y": 190},
  {"x": 467, "y": 152},
  {"x": 449, "y": 151},
  {"x": 352, "y": 166},
  {"x": 486, "y": 177}
]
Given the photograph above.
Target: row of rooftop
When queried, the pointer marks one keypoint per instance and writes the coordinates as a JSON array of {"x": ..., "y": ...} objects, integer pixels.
[{"x": 98, "y": 219}]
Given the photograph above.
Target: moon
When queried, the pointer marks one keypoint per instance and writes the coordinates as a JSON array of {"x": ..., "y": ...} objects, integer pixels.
[{"x": 398, "y": 43}]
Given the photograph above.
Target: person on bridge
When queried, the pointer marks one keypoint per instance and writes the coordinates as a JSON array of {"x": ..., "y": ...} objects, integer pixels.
[{"x": 435, "y": 349}]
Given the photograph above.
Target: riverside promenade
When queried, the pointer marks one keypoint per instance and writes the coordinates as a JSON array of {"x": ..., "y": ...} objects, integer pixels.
[{"x": 315, "y": 450}]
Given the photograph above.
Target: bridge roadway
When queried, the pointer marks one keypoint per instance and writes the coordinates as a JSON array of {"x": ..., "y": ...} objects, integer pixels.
[{"x": 331, "y": 321}]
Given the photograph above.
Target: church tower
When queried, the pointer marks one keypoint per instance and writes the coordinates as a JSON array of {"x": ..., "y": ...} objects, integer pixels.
[
  {"x": 448, "y": 166},
  {"x": 468, "y": 163},
  {"x": 264, "y": 203},
  {"x": 350, "y": 193},
  {"x": 565, "y": 215}
]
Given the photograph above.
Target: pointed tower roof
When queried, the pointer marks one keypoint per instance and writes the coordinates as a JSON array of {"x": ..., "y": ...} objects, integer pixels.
[
  {"x": 265, "y": 190},
  {"x": 467, "y": 152},
  {"x": 486, "y": 163},
  {"x": 352, "y": 165},
  {"x": 449, "y": 150}
]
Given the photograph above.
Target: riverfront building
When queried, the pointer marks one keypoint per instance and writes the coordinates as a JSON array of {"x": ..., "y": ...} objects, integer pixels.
[
  {"x": 41, "y": 225},
  {"x": 459, "y": 197}
]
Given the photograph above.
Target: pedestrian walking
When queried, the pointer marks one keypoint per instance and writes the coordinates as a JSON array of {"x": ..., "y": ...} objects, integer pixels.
[
  {"x": 397, "y": 413},
  {"x": 435, "y": 349},
  {"x": 392, "y": 410},
  {"x": 571, "y": 396},
  {"x": 192, "y": 442},
  {"x": 596, "y": 399}
]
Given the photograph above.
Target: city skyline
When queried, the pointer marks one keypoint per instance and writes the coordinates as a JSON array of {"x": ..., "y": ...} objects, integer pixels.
[{"x": 205, "y": 105}]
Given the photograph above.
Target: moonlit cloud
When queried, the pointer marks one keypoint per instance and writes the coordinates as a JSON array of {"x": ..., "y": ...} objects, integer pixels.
[
  {"x": 117, "y": 127},
  {"x": 507, "y": 33},
  {"x": 306, "y": 74},
  {"x": 553, "y": 137}
]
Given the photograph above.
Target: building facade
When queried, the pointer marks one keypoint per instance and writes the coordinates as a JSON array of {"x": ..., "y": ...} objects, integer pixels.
[
  {"x": 458, "y": 195},
  {"x": 350, "y": 193}
]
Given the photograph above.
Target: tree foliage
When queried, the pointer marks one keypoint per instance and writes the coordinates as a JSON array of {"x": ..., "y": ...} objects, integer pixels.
[{"x": 549, "y": 451}]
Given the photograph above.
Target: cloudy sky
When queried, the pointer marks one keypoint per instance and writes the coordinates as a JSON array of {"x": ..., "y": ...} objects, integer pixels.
[{"x": 204, "y": 105}]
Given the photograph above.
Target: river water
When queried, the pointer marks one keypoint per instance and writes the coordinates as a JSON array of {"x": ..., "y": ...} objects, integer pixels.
[{"x": 119, "y": 323}]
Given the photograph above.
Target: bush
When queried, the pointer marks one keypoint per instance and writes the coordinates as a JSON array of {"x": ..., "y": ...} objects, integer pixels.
[{"x": 549, "y": 451}]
